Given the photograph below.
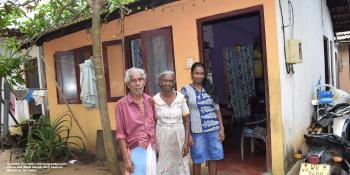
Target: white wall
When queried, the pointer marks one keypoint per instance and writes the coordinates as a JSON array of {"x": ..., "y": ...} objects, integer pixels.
[{"x": 311, "y": 22}]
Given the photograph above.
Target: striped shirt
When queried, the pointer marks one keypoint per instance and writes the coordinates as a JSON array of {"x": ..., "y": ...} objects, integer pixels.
[{"x": 203, "y": 116}]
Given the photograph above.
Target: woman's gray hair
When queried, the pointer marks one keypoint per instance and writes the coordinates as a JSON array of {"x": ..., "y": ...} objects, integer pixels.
[
  {"x": 130, "y": 72},
  {"x": 167, "y": 72}
]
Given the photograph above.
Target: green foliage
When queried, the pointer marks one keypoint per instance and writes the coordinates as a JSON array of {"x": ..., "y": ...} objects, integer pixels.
[
  {"x": 45, "y": 16},
  {"x": 10, "y": 60},
  {"x": 9, "y": 15},
  {"x": 33, "y": 17},
  {"x": 50, "y": 142},
  {"x": 53, "y": 14},
  {"x": 119, "y": 4}
]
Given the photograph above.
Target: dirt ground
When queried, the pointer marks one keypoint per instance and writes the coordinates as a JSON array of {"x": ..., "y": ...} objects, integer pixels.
[
  {"x": 86, "y": 169},
  {"x": 10, "y": 165}
]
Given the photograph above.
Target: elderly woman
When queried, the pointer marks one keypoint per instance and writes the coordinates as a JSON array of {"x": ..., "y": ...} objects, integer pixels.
[
  {"x": 172, "y": 128},
  {"x": 135, "y": 121}
]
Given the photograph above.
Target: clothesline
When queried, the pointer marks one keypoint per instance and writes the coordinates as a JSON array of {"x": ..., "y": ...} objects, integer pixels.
[
  {"x": 66, "y": 62},
  {"x": 31, "y": 89},
  {"x": 37, "y": 88}
]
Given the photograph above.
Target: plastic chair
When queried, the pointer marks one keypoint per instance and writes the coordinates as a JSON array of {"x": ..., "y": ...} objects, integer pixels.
[{"x": 254, "y": 129}]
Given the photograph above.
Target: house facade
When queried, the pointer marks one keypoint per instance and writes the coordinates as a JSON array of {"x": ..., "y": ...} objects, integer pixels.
[{"x": 174, "y": 34}]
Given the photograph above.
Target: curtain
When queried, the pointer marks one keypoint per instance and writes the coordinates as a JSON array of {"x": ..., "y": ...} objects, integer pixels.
[
  {"x": 157, "y": 61},
  {"x": 136, "y": 53},
  {"x": 240, "y": 75}
]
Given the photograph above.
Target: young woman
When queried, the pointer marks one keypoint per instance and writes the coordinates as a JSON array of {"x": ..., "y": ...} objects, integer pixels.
[
  {"x": 172, "y": 128},
  {"x": 207, "y": 130}
]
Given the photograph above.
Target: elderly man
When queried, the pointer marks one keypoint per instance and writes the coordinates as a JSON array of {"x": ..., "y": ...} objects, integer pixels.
[{"x": 135, "y": 121}]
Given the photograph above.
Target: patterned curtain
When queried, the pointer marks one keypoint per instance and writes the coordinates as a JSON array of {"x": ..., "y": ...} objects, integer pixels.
[
  {"x": 240, "y": 74},
  {"x": 136, "y": 53},
  {"x": 157, "y": 61}
]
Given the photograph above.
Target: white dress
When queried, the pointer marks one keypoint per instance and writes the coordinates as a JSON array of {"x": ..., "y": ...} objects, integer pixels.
[{"x": 171, "y": 135}]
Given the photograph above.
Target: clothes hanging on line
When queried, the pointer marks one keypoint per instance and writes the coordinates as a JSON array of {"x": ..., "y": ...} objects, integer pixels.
[
  {"x": 88, "y": 95},
  {"x": 39, "y": 96},
  {"x": 29, "y": 97}
]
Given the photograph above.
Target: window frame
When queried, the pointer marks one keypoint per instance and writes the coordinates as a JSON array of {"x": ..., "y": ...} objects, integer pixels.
[
  {"x": 105, "y": 44},
  {"x": 128, "y": 56},
  {"x": 142, "y": 35},
  {"x": 58, "y": 72}
]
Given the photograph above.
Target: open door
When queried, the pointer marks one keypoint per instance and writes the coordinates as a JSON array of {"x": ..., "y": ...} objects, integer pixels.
[
  {"x": 32, "y": 81},
  {"x": 158, "y": 55}
]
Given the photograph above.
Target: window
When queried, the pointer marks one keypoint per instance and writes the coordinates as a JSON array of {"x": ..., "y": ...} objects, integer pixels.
[
  {"x": 32, "y": 81},
  {"x": 67, "y": 73},
  {"x": 136, "y": 52},
  {"x": 114, "y": 70},
  {"x": 153, "y": 51},
  {"x": 156, "y": 43}
]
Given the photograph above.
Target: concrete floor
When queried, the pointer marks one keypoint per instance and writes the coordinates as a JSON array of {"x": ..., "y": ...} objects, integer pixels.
[{"x": 254, "y": 163}]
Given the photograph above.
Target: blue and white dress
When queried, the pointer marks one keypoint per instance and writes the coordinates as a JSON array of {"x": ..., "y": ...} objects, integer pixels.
[{"x": 204, "y": 124}]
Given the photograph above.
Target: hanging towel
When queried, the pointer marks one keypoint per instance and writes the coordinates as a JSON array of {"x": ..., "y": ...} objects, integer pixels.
[
  {"x": 88, "y": 95},
  {"x": 39, "y": 96}
]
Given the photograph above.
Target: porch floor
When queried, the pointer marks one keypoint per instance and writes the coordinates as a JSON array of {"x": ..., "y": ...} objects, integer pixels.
[{"x": 253, "y": 163}]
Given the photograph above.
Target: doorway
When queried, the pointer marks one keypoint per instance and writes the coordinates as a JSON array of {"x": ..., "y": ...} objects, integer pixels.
[
  {"x": 232, "y": 48},
  {"x": 32, "y": 81},
  {"x": 326, "y": 59}
]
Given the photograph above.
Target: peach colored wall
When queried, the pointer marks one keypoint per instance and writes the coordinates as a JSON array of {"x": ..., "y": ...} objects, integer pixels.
[
  {"x": 183, "y": 23},
  {"x": 344, "y": 74}
]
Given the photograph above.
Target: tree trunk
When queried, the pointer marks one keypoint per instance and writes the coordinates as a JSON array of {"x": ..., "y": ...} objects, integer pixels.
[{"x": 96, "y": 8}]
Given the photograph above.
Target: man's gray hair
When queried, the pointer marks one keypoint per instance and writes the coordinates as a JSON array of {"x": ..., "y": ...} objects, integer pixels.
[
  {"x": 167, "y": 72},
  {"x": 130, "y": 72}
]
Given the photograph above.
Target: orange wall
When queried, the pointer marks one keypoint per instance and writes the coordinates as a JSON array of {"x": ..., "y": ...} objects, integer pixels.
[{"x": 183, "y": 22}]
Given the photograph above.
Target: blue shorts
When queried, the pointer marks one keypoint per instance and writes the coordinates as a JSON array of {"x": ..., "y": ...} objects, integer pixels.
[{"x": 207, "y": 146}]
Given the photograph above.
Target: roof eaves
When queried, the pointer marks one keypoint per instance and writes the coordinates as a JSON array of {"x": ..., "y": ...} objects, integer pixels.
[{"x": 85, "y": 22}]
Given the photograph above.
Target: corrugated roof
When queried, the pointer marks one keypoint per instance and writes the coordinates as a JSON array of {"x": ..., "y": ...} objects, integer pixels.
[{"x": 341, "y": 36}]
